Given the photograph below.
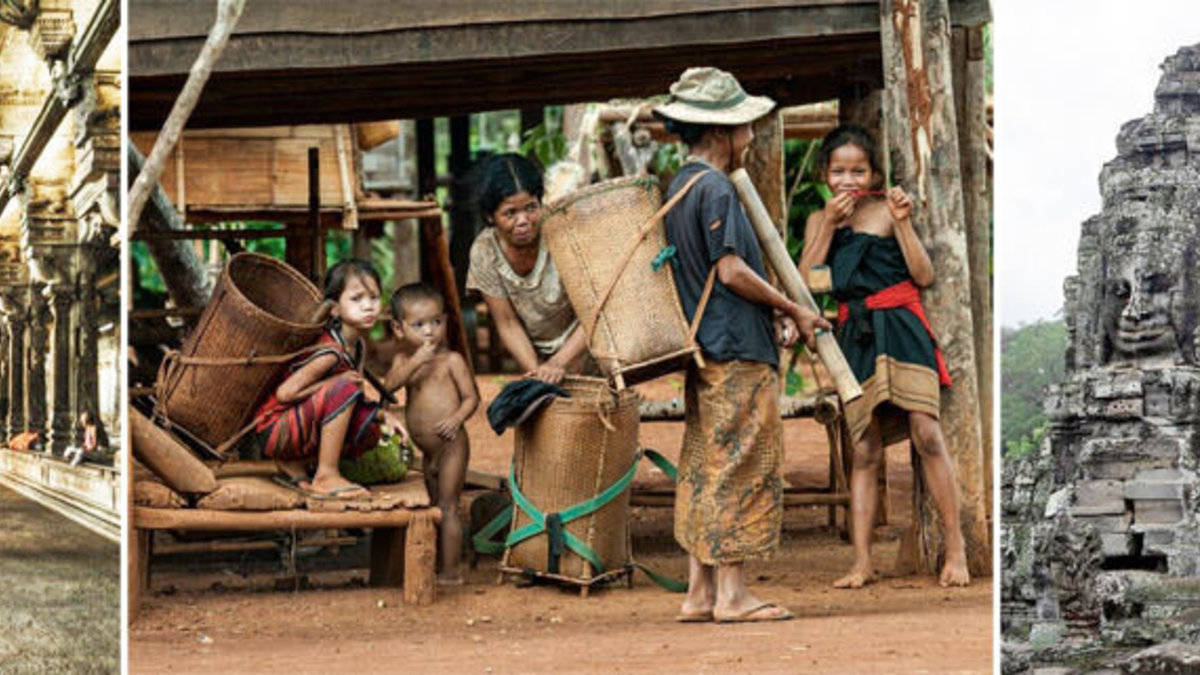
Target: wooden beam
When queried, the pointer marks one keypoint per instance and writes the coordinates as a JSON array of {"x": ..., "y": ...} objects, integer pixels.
[
  {"x": 970, "y": 101},
  {"x": 801, "y": 71},
  {"x": 201, "y": 520}
]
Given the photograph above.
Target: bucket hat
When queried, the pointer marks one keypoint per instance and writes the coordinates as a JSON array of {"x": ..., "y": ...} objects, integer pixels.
[{"x": 712, "y": 96}]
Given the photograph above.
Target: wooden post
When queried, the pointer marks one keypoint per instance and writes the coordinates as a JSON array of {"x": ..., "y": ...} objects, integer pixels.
[
  {"x": 970, "y": 101},
  {"x": 462, "y": 216},
  {"x": 305, "y": 249},
  {"x": 922, "y": 140},
  {"x": 420, "y": 561},
  {"x": 426, "y": 164}
]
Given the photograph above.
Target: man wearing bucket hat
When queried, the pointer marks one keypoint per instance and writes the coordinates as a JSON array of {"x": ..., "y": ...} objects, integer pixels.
[{"x": 729, "y": 500}]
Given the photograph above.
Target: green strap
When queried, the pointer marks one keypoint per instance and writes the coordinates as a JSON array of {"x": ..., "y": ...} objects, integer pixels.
[
  {"x": 567, "y": 515},
  {"x": 482, "y": 541},
  {"x": 662, "y": 463}
]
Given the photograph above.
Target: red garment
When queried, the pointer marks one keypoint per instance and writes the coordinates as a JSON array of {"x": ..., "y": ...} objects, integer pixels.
[
  {"x": 293, "y": 430},
  {"x": 906, "y": 295}
]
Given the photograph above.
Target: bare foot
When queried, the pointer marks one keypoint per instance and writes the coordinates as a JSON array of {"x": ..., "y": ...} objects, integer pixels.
[
  {"x": 296, "y": 472},
  {"x": 856, "y": 578},
  {"x": 695, "y": 610},
  {"x": 954, "y": 572}
]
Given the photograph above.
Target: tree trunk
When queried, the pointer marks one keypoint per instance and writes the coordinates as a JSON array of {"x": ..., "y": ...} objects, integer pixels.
[
  {"x": 181, "y": 269},
  {"x": 970, "y": 104},
  {"x": 922, "y": 140}
]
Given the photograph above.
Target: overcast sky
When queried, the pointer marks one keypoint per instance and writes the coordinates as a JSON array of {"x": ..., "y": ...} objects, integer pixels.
[{"x": 1067, "y": 75}]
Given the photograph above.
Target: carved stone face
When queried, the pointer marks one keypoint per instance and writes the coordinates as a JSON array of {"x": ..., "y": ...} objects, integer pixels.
[{"x": 1143, "y": 277}]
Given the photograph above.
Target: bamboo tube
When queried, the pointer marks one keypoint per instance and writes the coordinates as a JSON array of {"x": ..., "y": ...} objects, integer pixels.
[{"x": 827, "y": 346}]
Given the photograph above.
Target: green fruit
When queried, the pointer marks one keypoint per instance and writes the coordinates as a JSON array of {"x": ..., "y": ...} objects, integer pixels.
[{"x": 387, "y": 462}]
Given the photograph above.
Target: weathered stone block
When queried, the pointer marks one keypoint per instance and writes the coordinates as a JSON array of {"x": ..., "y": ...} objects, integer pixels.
[
  {"x": 1161, "y": 511},
  {"x": 1099, "y": 497},
  {"x": 1120, "y": 387},
  {"x": 1153, "y": 489},
  {"x": 1122, "y": 458},
  {"x": 1157, "y": 541},
  {"x": 1116, "y": 545},
  {"x": 1106, "y": 524}
]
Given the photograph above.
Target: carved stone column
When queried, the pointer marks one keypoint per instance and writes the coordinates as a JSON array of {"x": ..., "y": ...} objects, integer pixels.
[
  {"x": 14, "y": 322},
  {"x": 39, "y": 316},
  {"x": 5, "y": 372},
  {"x": 87, "y": 377},
  {"x": 62, "y": 421}
]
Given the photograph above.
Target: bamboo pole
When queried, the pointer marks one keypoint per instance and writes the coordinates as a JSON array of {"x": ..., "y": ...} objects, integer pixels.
[{"x": 772, "y": 244}]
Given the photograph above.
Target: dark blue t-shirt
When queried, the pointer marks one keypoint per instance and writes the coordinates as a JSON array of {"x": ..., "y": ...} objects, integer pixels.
[{"x": 732, "y": 328}]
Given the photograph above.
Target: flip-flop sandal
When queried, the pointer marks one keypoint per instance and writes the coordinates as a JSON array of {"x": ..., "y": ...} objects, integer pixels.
[
  {"x": 293, "y": 483},
  {"x": 748, "y": 616},
  {"x": 333, "y": 495},
  {"x": 698, "y": 617}
]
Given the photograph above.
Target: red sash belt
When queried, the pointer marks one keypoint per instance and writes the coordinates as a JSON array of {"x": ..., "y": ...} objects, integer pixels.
[{"x": 906, "y": 295}]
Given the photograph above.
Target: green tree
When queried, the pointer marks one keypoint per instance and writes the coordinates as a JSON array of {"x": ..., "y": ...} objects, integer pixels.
[{"x": 1031, "y": 358}]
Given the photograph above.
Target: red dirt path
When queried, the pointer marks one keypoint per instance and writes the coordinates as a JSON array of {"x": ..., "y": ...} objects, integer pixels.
[{"x": 899, "y": 625}]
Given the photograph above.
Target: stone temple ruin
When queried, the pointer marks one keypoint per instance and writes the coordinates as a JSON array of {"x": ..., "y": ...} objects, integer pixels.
[{"x": 1101, "y": 535}]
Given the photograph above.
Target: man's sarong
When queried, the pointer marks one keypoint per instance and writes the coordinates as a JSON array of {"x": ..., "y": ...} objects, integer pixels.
[
  {"x": 729, "y": 497},
  {"x": 884, "y": 334},
  {"x": 293, "y": 430}
]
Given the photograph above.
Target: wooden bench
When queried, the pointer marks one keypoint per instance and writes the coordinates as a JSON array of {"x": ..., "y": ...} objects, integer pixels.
[{"x": 403, "y": 541}]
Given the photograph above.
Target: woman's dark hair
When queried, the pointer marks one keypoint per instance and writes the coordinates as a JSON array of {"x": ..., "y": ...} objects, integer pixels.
[
  {"x": 502, "y": 176},
  {"x": 689, "y": 132},
  {"x": 848, "y": 134},
  {"x": 340, "y": 274}
]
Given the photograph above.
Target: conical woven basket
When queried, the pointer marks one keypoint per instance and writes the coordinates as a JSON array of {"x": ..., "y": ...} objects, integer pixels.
[
  {"x": 640, "y": 332},
  {"x": 570, "y": 452},
  {"x": 261, "y": 307}
]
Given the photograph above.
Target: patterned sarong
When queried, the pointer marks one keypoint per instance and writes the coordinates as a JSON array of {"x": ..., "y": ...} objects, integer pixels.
[
  {"x": 293, "y": 430},
  {"x": 884, "y": 334},
  {"x": 729, "y": 497}
]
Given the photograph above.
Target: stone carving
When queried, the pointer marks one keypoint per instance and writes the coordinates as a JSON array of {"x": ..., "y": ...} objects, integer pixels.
[{"x": 1116, "y": 482}]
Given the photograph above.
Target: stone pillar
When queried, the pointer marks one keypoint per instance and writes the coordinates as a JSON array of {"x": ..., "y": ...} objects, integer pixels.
[
  {"x": 87, "y": 379},
  {"x": 5, "y": 371},
  {"x": 15, "y": 325},
  {"x": 62, "y": 421},
  {"x": 39, "y": 316}
]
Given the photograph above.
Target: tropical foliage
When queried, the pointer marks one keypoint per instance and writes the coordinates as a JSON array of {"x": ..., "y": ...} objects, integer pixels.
[{"x": 1031, "y": 359}]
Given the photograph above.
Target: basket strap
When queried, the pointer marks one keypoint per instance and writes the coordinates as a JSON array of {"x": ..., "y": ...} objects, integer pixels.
[
  {"x": 708, "y": 287},
  {"x": 589, "y": 323},
  {"x": 482, "y": 540}
]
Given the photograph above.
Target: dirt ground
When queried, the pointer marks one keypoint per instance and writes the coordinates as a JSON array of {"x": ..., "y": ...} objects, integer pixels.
[
  {"x": 59, "y": 593},
  {"x": 208, "y": 618}
]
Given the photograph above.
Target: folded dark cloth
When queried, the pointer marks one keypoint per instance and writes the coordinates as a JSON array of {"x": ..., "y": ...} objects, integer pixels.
[{"x": 518, "y": 401}]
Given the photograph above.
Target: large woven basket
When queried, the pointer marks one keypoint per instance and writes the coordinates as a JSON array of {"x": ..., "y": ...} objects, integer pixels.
[
  {"x": 572, "y": 451},
  {"x": 640, "y": 332},
  {"x": 261, "y": 308}
]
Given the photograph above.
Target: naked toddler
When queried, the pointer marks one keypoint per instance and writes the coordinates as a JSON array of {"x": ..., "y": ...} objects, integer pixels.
[{"x": 440, "y": 396}]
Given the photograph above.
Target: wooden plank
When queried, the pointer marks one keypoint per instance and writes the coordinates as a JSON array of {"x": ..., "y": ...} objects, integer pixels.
[{"x": 300, "y": 519}]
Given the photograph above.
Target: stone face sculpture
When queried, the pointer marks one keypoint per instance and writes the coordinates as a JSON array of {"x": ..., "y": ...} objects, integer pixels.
[{"x": 1123, "y": 446}]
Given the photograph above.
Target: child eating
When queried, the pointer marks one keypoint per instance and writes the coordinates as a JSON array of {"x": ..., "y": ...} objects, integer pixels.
[{"x": 440, "y": 395}]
